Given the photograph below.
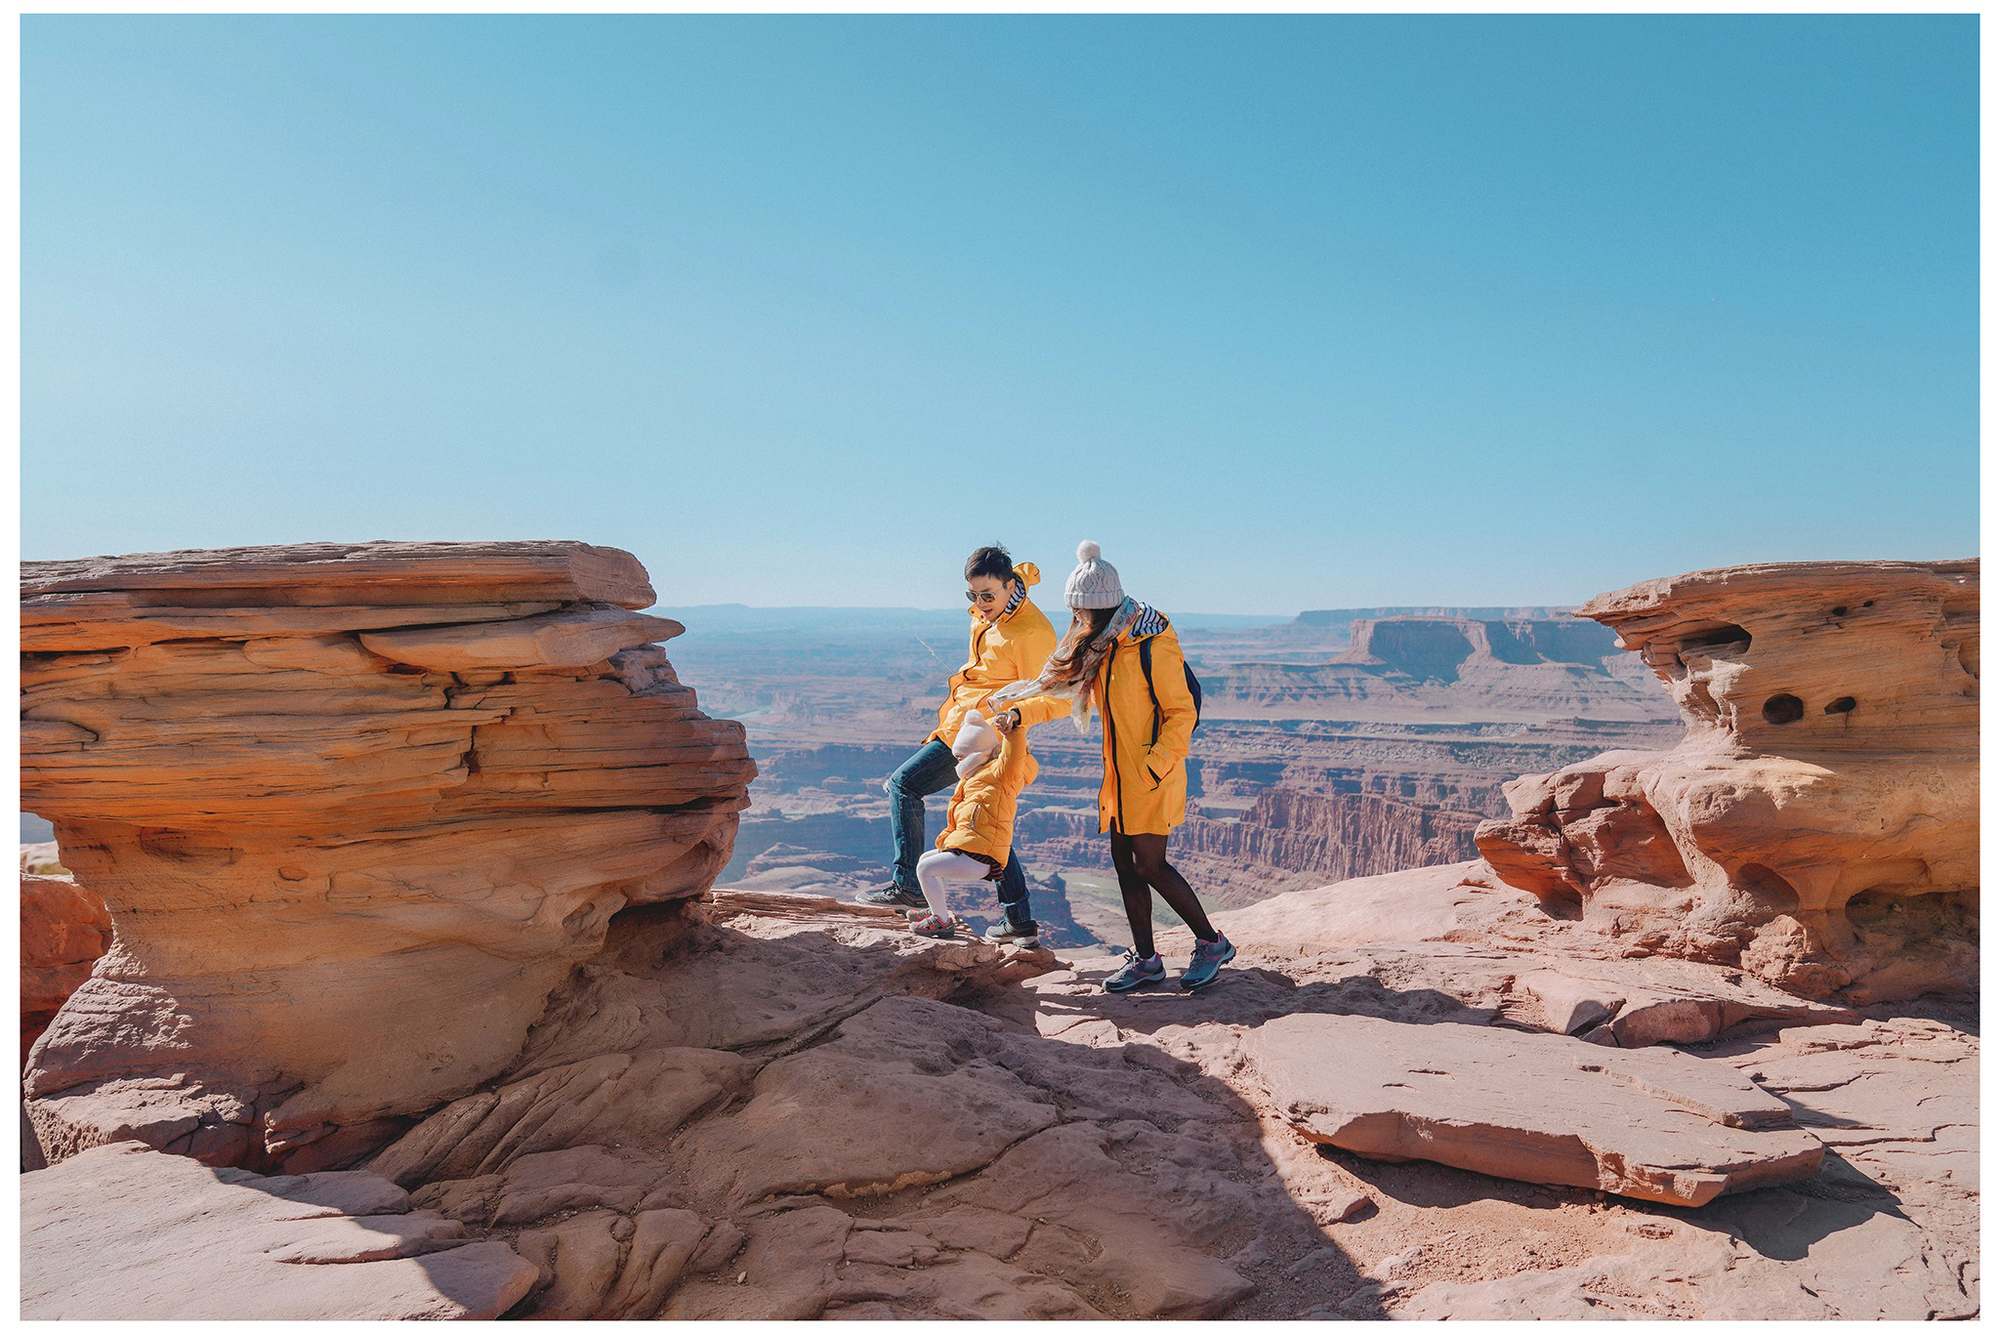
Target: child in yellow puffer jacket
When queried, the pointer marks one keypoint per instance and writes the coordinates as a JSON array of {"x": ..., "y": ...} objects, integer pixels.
[{"x": 978, "y": 833}]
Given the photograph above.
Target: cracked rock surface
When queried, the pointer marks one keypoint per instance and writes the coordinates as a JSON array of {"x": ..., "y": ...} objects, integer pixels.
[{"x": 779, "y": 1107}]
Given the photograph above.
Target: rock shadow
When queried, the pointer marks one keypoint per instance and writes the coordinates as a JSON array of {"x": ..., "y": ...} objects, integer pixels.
[
  {"x": 1248, "y": 997},
  {"x": 886, "y": 1147}
]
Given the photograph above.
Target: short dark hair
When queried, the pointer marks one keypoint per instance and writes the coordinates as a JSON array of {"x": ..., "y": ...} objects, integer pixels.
[{"x": 992, "y": 561}]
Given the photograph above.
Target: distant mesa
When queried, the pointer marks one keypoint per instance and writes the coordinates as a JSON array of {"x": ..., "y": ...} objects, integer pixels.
[
  {"x": 1531, "y": 669},
  {"x": 1333, "y": 619},
  {"x": 1440, "y": 648}
]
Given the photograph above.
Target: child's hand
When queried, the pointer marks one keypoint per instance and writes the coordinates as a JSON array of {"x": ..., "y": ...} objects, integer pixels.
[{"x": 1005, "y": 721}]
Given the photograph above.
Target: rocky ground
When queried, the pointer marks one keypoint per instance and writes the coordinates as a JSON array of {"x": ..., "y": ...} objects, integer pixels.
[{"x": 779, "y": 1107}]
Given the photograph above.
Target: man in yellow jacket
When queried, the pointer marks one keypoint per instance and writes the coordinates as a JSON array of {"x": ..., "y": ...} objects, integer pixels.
[{"x": 1010, "y": 640}]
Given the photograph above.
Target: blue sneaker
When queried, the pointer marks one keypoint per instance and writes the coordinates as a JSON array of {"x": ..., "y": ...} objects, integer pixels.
[
  {"x": 892, "y": 896},
  {"x": 1137, "y": 972},
  {"x": 1207, "y": 961}
]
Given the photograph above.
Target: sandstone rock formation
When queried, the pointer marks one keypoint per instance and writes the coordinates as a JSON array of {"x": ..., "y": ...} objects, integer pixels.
[
  {"x": 64, "y": 928},
  {"x": 1818, "y": 825},
  {"x": 356, "y": 811},
  {"x": 120, "y": 1232}
]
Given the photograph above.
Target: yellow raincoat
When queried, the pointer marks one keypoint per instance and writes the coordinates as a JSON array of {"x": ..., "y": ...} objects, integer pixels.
[
  {"x": 1014, "y": 648},
  {"x": 981, "y": 817},
  {"x": 1145, "y": 748}
]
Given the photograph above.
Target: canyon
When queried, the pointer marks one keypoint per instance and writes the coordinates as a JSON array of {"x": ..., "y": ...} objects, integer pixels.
[
  {"x": 1338, "y": 744},
  {"x": 426, "y": 994}
]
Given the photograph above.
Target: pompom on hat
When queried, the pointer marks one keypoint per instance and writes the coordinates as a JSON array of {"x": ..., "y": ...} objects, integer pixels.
[{"x": 1093, "y": 584}]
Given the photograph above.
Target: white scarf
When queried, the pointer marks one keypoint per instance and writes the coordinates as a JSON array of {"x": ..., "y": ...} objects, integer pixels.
[{"x": 1077, "y": 692}]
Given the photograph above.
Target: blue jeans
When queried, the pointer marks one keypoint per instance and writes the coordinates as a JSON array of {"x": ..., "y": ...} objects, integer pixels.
[{"x": 932, "y": 769}]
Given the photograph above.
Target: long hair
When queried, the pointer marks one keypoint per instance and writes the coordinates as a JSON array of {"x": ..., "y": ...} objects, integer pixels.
[{"x": 1073, "y": 663}]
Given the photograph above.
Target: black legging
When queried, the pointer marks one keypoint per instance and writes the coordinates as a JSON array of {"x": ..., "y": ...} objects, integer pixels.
[{"x": 1141, "y": 860}]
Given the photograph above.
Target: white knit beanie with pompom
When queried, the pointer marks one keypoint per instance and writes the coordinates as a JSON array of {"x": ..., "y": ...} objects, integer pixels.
[{"x": 1094, "y": 582}]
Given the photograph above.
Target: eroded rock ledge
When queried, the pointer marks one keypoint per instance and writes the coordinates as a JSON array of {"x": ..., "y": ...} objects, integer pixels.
[
  {"x": 1818, "y": 825},
  {"x": 355, "y": 810}
]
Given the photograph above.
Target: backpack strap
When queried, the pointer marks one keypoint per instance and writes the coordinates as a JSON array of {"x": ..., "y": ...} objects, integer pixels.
[{"x": 1146, "y": 666}]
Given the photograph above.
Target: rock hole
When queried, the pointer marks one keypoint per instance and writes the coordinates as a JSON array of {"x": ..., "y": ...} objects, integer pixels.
[
  {"x": 1782, "y": 709},
  {"x": 1771, "y": 890},
  {"x": 183, "y": 845},
  {"x": 1839, "y": 611},
  {"x": 1869, "y": 603},
  {"x": 1845, "y": 704},
  {"x": 1716, "y": 635}
]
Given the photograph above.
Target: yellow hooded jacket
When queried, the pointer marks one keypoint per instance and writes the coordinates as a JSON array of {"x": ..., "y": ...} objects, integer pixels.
[
  {"x": 1145, "y": 749},
  {"x": 1014, "y": 648},
  {"x": 980, "y": 819}
]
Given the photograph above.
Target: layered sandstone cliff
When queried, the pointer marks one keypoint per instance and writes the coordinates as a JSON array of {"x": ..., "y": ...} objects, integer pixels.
[
  {"x": 1818, "y": 824},
  {"x": 355, "y": 811}
]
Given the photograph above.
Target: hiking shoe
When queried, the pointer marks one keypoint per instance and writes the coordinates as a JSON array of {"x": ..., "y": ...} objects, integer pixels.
[
  {"x": 1137, "y": 972},
  {"x": 892, "y": 896},
  {"x": 1004, "y": 932},
  {"x": 1209, "y": 956},
  {"x": 929, "y": 924}
]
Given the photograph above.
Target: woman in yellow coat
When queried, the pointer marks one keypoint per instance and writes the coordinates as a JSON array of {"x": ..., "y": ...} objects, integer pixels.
[
  {"x": 1149, "y": 719},
  {"x": 1009, "y": 638}
]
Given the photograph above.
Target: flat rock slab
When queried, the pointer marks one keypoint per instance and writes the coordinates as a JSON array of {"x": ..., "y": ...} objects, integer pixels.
[
  {"x": 573, "y": 637},
  {"x": 309, "y": 574},
  {"x": 121, "y": 1232},
  {"x": 1654, "y": 1124},
  {"x": 1640, "y": 1002}
]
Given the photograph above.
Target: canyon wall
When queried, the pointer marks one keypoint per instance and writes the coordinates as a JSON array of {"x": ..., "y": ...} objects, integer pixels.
[
  {"x": 355, "y": 810},
  {"x": 1287, "y": 840}
]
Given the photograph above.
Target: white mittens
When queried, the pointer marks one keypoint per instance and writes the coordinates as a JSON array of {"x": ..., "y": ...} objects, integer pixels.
[{"x": 975, "y": 743}]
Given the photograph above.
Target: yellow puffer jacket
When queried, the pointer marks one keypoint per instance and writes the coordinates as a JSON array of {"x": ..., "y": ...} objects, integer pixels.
[
  {"x": 981, "y": 817},
  {"x": 1013, "y": 648},
  {"x": 1145, "y": 774}
]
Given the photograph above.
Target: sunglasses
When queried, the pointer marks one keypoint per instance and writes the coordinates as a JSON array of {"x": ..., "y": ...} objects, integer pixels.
[{"x": 971, "y": 596}]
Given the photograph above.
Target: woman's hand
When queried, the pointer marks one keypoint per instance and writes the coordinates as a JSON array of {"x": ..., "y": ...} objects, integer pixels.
[{"x": 1006, "y": 721}]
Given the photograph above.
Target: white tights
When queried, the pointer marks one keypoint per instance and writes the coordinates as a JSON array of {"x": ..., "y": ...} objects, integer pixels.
[{"x": 937, "y": 868}]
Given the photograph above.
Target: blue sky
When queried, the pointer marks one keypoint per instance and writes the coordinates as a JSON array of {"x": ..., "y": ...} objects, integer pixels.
[{"x": 1286, "y": 312}]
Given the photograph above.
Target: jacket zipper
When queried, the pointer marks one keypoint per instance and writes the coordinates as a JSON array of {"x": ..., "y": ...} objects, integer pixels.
[{"x": 1111, "y": 739}]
